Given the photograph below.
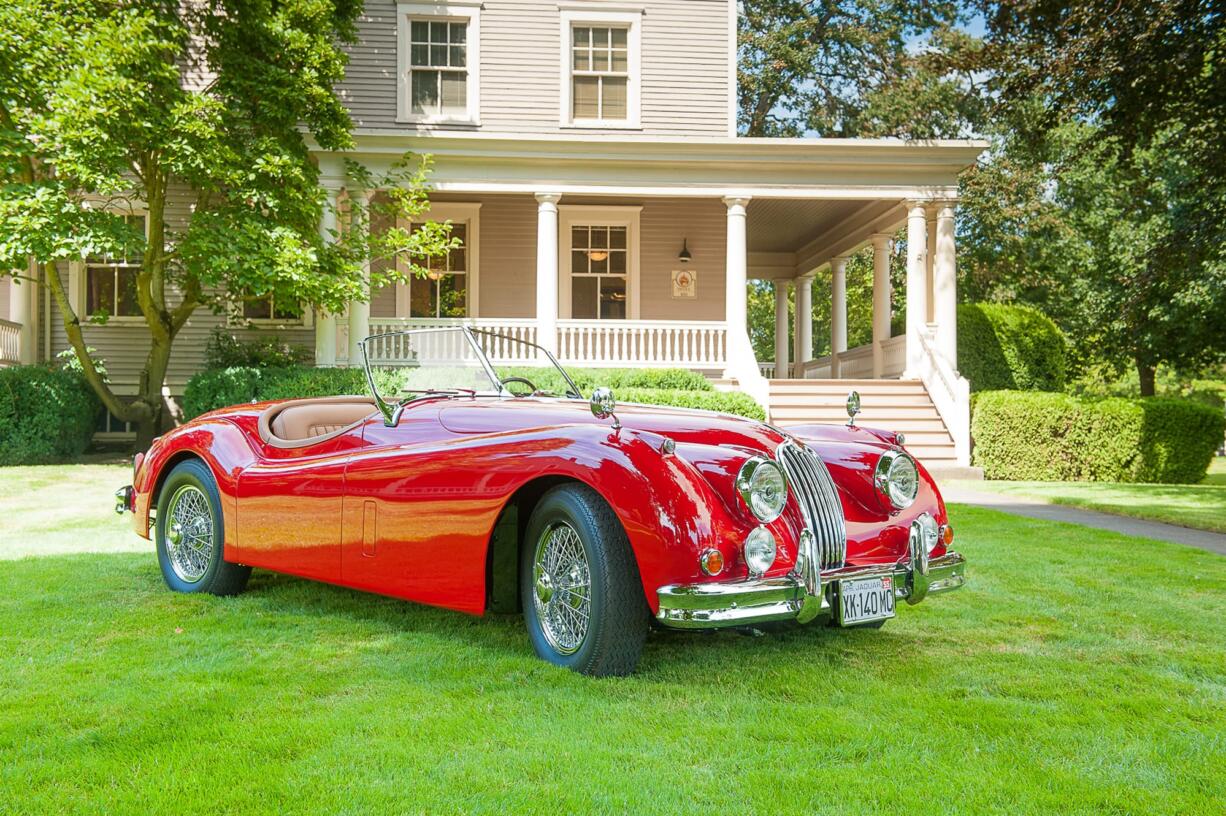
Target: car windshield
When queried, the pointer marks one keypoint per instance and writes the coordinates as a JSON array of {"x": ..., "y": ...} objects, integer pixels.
[{"x": 406, "y": 365}]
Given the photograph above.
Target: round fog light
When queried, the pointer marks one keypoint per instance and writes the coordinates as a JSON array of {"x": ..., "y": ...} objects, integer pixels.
[
  {"x": 759, "y": 551},
  {"x": 711, "y": 561}
]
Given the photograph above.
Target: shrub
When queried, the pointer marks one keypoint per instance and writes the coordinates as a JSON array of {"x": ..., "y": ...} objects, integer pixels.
[
  {"x": 1057, "y": 437},
  {"x": 46, "y": 415},
  {"x": 224, "y": 350},
  {"x": 1004, "y": 347},
  {"x": 728, "y": 402}
]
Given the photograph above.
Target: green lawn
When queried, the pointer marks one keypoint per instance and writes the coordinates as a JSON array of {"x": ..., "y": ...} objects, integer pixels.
[
  {"x": 1202, "y": 506},
  {"x": 1079, "y": 672}
]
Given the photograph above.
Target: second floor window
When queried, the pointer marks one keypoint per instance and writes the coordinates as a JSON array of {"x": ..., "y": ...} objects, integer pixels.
[
  {"x": 110, "y": 282},
  {"x": 438, "y": 68},
  {"x": 600, "y": 73}
]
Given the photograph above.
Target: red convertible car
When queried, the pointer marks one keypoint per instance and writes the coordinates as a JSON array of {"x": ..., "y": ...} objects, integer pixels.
[{"x": 454, "y": 486}]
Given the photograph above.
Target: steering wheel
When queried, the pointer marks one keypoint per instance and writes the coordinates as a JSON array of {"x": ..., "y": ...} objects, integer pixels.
[{"x": 523, "y": 380}]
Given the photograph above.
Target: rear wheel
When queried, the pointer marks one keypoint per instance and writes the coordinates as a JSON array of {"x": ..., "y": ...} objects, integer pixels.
[
  {"x": 190, "y": 534},
  {"x": 583, "y": 600}
]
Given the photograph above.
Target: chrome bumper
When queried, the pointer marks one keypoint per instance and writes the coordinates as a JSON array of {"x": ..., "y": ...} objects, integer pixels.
[{"x": 745, "y": 603}]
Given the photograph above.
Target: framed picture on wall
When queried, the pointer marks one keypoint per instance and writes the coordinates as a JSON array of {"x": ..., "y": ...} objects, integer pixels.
[{"x": 685, "y": 283}]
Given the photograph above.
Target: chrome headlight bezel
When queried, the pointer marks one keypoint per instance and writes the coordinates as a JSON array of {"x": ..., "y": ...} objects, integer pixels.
[
  {"x": 890, "y": 478},
  {"x": 750, "y": 480}
]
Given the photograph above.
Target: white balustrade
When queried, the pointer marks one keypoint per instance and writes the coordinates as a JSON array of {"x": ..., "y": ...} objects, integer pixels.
[
  {"x": 10, "y": 343},
  {"x": 643, "y": 343},
  {"x": 500, "y": 344}
]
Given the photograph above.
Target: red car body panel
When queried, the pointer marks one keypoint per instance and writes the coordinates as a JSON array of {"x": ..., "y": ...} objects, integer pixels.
[{"x": 409, "y": 511}]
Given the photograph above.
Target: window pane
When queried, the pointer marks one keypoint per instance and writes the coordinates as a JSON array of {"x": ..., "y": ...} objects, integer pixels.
[
  {"x": 127, "y": 304},
  {"x": 613, "y": 102},
  {"x": 421, "y": 297},
  {"x": 617, "y": 262},
  {"x": 600, "y": 37},
  {"x": 583, "y": 61},
  {"x": 438, "y": 31},
  {"x": 425, "y": 91},
  {"x": 583, "y": 36},
  {"x": 99, "y": 290},
  {"x": 258, "y": 308},
  {"x": 419, "y": 54},
  {"x": 600, "y": 261},
  {"x": 613, "y": 298},
  {"x": 578, "y": 262},
  {"x": 578, "y": 237},
  {"x": 600, "y": 237},
  {"x": 619, "y": 62},
  {"x": 419, "y": 31},
  {"x": 583, "y": 302},
  {"x": 453, "y": 296},
  {"x": 285, "y": 312},
  {"x": 438, "y": 55},
  {"x": 619, "y": 37},
  {"x": 455, "y": 92},
  {"x": 617, "y": 237},
  {"x": 459, "y": 32},
  {"x": 458, "y": 56},
  {"x": 586, "y": 92}
]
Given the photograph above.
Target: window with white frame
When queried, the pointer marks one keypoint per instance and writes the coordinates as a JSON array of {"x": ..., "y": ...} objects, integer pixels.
[
  {"x": 443, "y": 292},
  {"x": 266, "y": 309},
  {"x": 439, "y": 63},
  {"x": 599, "y": 271},
  {"x": 110, "y": 282},
  {"x": 600, "y": 69}
]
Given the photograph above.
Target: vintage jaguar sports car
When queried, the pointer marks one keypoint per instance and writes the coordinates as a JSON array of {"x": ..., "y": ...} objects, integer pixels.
[{"x": 452, "y": 486}]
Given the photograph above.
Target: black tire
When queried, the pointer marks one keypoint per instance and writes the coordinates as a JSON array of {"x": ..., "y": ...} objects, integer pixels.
[
  {"x": 618, "y": 616},
  {"x": 191, "y": 481}
]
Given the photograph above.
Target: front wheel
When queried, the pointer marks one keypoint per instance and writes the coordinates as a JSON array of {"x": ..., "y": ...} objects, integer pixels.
[
  {"x": 583, "y": 599},
  {"x": 190, "y": 534}
]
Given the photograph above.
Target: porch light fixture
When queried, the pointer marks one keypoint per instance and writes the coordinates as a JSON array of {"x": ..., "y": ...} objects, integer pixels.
[
  {"x": 598, "y": 255},
  {"x": 685, "y": 256}
]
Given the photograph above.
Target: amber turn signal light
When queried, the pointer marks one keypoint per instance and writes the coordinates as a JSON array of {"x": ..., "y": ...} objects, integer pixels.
[
  {"x": 947, "y": 535},
  {"x": 711, "y": 561}
]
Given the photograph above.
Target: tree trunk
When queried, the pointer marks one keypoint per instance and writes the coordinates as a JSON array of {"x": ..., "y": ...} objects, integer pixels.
[
  {"x": 151, "y": 379},
  {"x": 1145, "y": 372}
]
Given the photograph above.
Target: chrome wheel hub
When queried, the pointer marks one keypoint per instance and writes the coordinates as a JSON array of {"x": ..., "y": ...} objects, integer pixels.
[
  {"x": 562, "y": 584},
  {"x": 189, "y": 533}
]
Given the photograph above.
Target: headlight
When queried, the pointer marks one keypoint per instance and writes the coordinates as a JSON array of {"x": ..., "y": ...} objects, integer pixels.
[
  {"x": 763, "y": 487},
  {"x": 759, "y": 551},
  {"x": 897, "y": 479}
]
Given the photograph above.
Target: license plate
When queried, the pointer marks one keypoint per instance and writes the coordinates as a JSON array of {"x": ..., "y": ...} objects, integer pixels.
[{"x": 865, "y": 599}]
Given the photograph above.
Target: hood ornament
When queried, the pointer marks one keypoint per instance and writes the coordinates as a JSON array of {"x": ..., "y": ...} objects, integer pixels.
[
  {"x": 603, "y": 406},
  {"x": 853, "y": 407}
]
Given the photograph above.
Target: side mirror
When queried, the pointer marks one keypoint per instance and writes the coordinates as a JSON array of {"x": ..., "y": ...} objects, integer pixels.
[
  {"x": 603, "y": 405},
  {"x": 853, "y": 407}
]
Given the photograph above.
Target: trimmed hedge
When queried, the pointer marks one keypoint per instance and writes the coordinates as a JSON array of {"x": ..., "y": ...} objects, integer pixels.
[
  {"x": 1057, "y": 437},
  {"x": 46, "y": 415},
  {"x": 728, "y": 402},
  {"x": 1014, "y": 348},
  {"x": 211, "y": 390},
  {"x": 548, "y": 378}
]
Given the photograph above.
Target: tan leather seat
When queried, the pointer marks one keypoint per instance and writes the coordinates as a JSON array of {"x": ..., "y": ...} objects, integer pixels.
[{"x": 299, "y": 423}]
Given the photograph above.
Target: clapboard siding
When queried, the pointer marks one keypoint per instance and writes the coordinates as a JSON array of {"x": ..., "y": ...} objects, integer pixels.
[
  {"x": 685, "y": 53},
  {"x": 125, "y": 347}
]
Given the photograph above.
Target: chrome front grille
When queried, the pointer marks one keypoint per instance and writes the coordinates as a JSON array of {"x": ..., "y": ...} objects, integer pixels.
[{"x": 813, "y": 487}]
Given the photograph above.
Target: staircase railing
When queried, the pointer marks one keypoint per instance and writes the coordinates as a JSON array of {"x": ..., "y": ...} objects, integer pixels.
[{"x": 950, "y": 393}]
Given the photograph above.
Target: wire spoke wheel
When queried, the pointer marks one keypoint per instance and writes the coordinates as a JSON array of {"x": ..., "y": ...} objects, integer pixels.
[
  {"x": 562, "y": 592},
  {"x": 189, "y": 533}
]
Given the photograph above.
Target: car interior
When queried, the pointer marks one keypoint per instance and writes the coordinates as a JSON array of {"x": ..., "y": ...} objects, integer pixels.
[{"x": 303, "y": 422}]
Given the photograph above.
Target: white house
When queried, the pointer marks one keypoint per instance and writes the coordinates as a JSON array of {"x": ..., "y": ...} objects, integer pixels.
[{"x": 587, "y": 153}]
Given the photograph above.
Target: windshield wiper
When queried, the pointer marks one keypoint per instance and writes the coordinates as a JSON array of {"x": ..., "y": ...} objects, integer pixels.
[{"x": 436, "y": 392}]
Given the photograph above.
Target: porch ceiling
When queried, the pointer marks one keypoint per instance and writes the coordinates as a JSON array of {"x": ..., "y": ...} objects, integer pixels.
[
  {"x": 784, "y": 225},
  {"x": 787, "y": 237}
]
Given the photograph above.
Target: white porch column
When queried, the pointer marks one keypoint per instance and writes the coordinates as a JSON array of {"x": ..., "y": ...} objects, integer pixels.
[
  {"x": 359, "y": 310},
  {"x": 929, "y": 276},
  {"x": 21, "y": 311},
  {"x": 736, "y": 279},
  {"x": 804, "y": 322},
  {"x": 917, "y": 293},
  {"x": 547, "y": 270},
  {"x": 881, "y": 301},
  {"x": 945, "y": 286},
  {"x": 838, "y": 313},
  {"x": 781, "y": 328},
  {"x": 325, "y": 323}
]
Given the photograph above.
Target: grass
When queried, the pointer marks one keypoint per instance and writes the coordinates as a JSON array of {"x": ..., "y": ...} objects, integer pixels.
[
  {"x": 1079, "y": 671},
  {"x": 1202, "y": 506}
]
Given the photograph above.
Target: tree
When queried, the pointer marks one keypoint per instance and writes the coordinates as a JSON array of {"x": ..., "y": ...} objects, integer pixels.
[
  {"x": 855, "y": 68},
  {"x": 108, "y": 108}
]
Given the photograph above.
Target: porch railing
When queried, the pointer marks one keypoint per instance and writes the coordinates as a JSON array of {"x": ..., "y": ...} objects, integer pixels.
[
  {"x": 10, "y": 343},
  {"x": 589, "y": 343},
  {"x": 857, "y": 363}
]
